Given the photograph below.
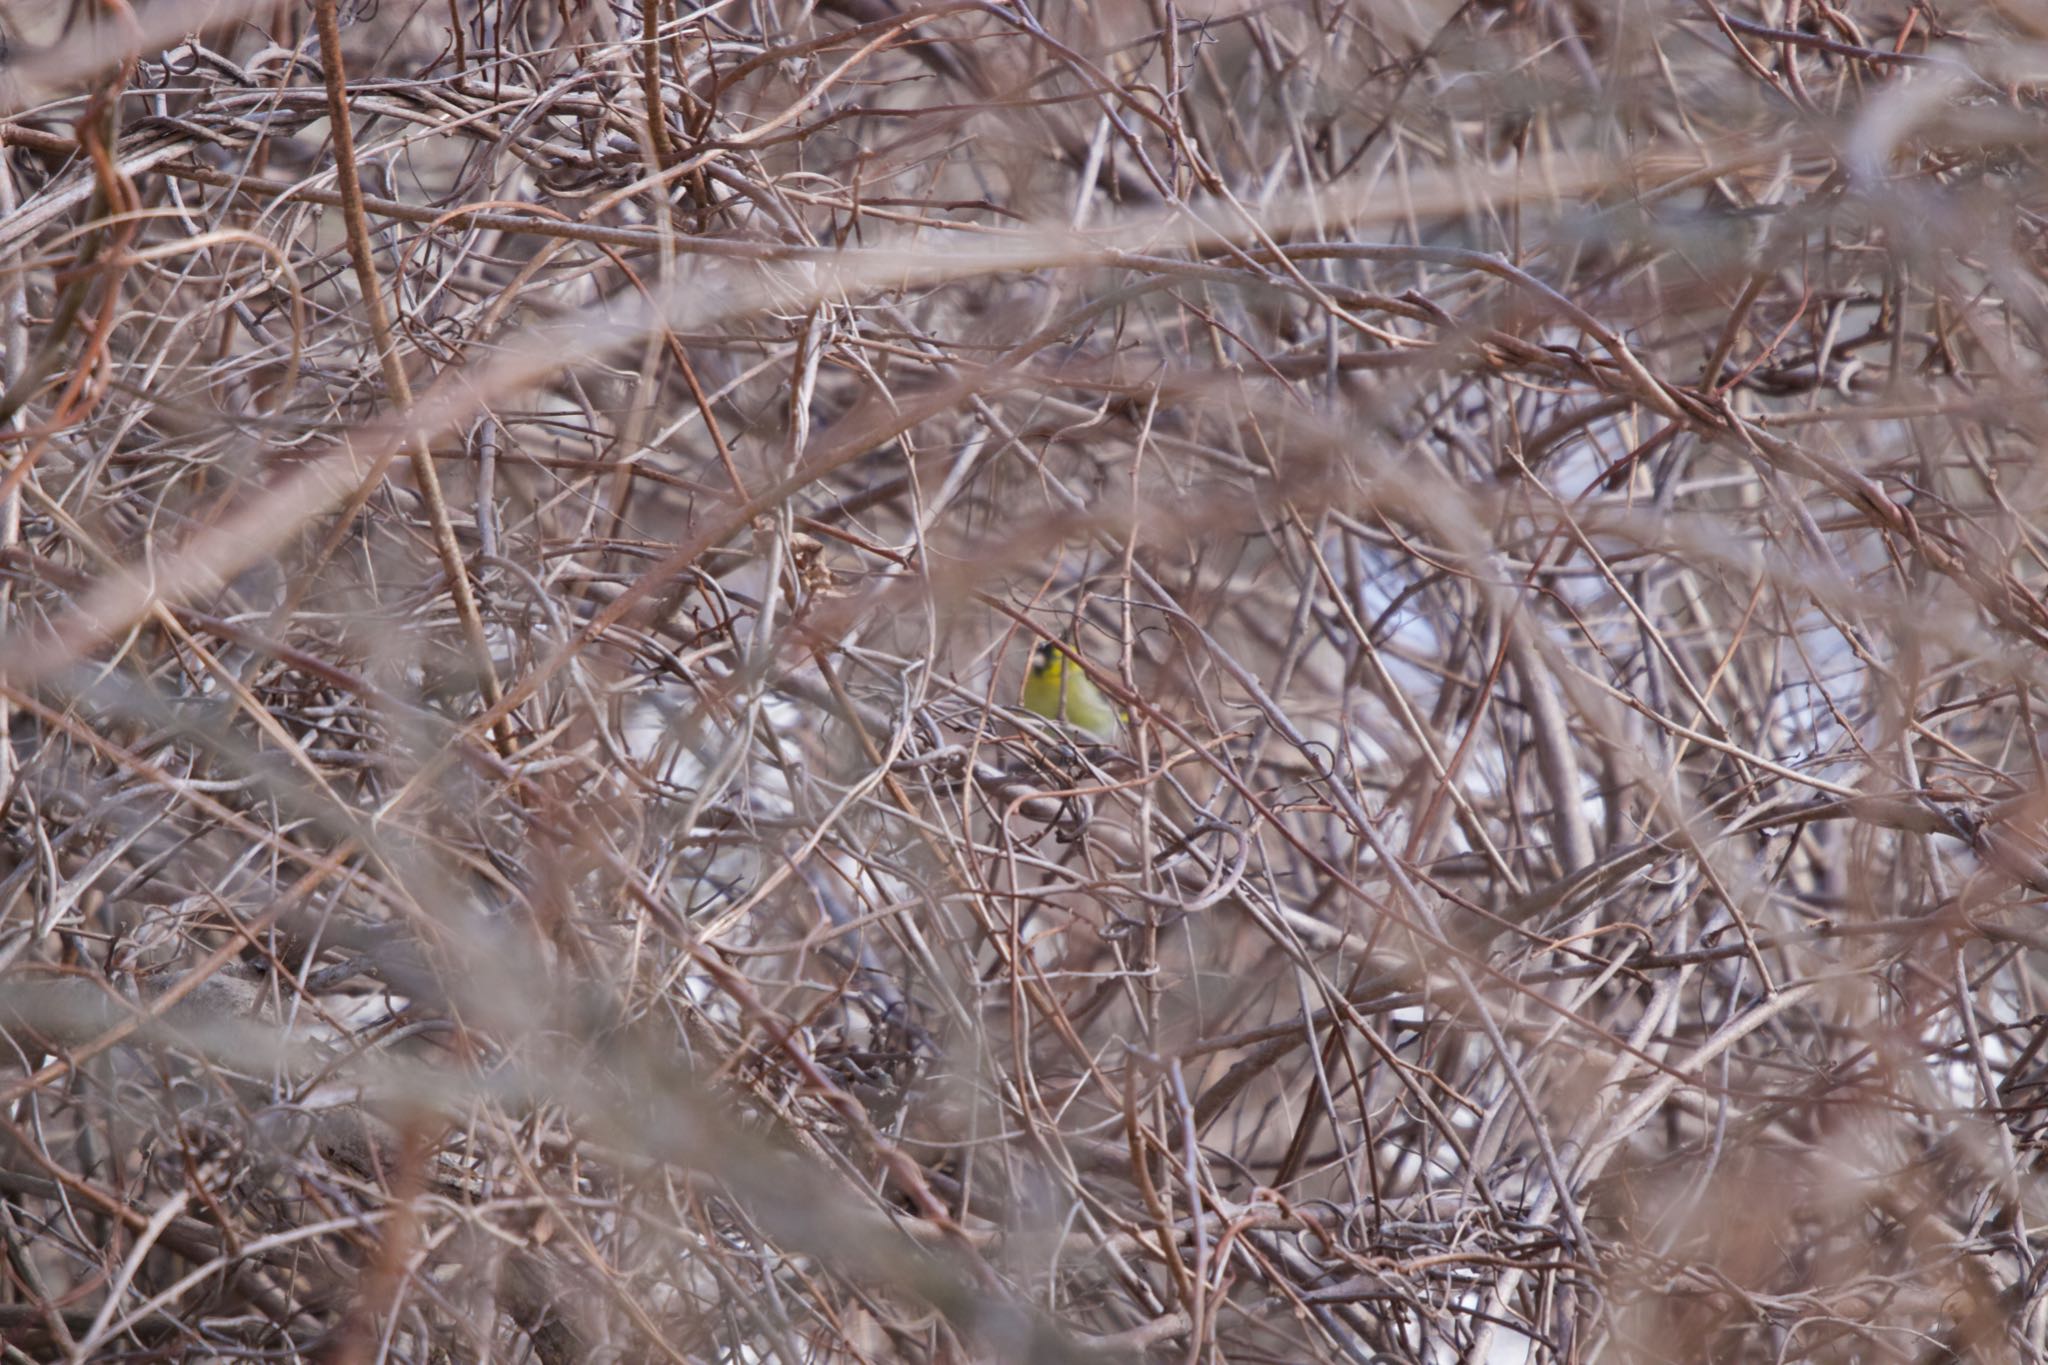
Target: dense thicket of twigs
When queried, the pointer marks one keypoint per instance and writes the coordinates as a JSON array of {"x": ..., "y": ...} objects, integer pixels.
[{"x": 517, "y": 841}]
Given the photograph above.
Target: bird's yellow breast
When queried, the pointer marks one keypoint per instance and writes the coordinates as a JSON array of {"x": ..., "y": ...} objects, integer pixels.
[{"x": 1058, "y": 690}]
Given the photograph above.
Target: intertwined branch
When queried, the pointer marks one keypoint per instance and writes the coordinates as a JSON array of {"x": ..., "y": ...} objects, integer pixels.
[{"x": 522, "y": 526}]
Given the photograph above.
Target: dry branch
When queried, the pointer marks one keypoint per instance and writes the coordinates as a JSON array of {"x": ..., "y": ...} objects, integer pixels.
[{"x": 1554, "y": 488}]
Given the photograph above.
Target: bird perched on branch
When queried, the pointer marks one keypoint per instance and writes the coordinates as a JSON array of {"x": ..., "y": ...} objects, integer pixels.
[{"x": 1059, "y": 689}]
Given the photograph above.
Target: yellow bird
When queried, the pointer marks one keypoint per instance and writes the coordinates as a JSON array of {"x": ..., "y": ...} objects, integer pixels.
[{"x": 1057, "y": 689}]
